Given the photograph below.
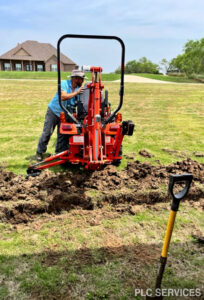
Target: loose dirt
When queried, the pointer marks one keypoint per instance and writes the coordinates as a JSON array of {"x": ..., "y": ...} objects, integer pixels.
[{"x": 23, "y": 200}]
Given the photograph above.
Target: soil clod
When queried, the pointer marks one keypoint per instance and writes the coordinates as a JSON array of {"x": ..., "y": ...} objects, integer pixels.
[{"x": 145, "y": 153}]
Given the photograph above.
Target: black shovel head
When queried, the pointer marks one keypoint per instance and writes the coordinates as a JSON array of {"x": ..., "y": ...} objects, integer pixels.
[{"x": 32, "y": 172}]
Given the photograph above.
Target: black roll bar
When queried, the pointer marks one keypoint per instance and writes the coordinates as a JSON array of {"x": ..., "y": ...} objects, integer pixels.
[{"x": 84, "y": 36}]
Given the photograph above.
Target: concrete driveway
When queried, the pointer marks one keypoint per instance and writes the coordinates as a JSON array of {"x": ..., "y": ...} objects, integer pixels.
[{"x": 138, "y": 79}]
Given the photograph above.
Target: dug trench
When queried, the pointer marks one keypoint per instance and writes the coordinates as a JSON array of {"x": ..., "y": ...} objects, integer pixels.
[{"x": 24, "y": 200}]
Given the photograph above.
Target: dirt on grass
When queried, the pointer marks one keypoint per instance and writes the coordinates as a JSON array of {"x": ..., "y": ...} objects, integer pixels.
[{"x": 23, "y": 200}]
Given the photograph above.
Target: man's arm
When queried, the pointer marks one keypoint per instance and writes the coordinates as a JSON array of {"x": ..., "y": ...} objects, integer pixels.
[{"x": 68, "y": 96}]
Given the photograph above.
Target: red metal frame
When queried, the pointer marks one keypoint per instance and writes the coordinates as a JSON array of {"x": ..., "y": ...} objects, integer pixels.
[
  {"x": 97, "y": 144},
  {"x": 96, "y": 141}
]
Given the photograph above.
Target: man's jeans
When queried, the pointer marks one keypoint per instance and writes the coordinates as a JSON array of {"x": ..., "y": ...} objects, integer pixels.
[{"x": 51, "y": 121}]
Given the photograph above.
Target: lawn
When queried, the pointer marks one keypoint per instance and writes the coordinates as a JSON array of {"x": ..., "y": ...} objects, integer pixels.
[
  {"x": 65, "y": 257},
  {"x": 49, "y": 75},
  {"x": 105, "y": 76},
  {"x": 166, "y": 117},
  {"x": 103, "y": 253}
]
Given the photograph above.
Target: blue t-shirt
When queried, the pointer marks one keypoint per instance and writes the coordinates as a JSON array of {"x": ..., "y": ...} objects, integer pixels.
[{"x": 66, "y": 85}]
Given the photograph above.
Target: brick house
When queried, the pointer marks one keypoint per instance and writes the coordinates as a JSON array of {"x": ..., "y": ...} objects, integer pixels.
[{"x": 34, "y": 56}]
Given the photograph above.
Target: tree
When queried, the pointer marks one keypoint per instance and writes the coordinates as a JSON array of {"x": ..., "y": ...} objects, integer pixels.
[
  {"x": 118, "y": 70},
  {"x": 192, "y": 60},
  {"x": 165, "y": 64},
  {"x": 177, "y": 64},
  {"x": 131, "y": 67},
  {"x": 143, "y": 65}
]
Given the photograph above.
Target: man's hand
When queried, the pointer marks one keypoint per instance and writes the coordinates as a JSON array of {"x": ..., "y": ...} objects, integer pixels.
[
  {"x": 80, "y": 90},
  {"x": 68, "y": 96}
]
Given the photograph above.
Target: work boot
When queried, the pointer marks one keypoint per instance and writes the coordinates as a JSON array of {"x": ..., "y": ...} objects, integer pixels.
[{"x": 39, "y": 156}]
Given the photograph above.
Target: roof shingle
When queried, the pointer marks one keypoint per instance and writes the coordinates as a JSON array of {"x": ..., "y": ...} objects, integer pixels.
[{"x": 37, "y": 51}]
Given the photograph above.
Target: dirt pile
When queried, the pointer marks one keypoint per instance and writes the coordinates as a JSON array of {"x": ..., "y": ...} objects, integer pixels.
[{"x": 22, "y": 200}]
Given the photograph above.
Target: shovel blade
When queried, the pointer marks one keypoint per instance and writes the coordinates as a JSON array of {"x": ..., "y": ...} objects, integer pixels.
[{"x": 32, "y": 172}]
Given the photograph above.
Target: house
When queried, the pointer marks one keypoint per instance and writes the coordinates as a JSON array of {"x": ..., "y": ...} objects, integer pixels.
[{"x": 34, "y": 56}]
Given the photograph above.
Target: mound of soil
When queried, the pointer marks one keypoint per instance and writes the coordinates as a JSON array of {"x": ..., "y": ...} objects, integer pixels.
[
  {"x": 145, "y": 153},
  {"x": 23, "y": 200}
]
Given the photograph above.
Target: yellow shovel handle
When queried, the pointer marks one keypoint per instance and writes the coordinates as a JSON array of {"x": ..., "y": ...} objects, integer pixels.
[{"x": 168, "y": 233}]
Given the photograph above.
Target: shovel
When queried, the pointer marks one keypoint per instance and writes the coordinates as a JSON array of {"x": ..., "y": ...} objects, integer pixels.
[{"x": 187, "y": 178}]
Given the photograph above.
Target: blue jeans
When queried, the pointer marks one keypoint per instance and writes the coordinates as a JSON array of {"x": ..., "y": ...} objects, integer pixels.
[{"x": 51, "y": 121}]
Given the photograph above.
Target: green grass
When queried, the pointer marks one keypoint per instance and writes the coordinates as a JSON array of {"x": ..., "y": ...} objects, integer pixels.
[
  {"x": 105, "y": 76},
  {"x": 63, "y": 257},
  {"x": 49, "y": 75},
  {"x": 165, "y": 116},
  {"x": 178, "y": 79},
  {"x": 50, "y": 260}
]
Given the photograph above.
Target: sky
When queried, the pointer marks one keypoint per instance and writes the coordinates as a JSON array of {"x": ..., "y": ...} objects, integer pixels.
[{"x": 155, "y": 29}]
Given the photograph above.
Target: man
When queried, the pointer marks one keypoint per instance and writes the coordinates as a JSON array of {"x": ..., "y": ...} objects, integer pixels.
[{"x": 70, "y": 89}]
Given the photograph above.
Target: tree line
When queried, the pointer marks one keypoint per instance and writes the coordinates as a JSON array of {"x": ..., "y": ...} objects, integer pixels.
[
  {"x": 191, "y": 62},
  {"x": 143, "y": 65}
]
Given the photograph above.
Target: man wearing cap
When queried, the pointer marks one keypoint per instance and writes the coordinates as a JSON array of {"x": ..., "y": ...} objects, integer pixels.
[{"x": 70, "y": 89}]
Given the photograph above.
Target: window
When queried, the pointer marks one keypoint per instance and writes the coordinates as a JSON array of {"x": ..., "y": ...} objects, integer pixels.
[
  {"x": 54, "y": 67},
  {"x": 18, "y": 67},
  {"x": 29, "y": 67},
  {"x": 7, "y": 66},
  {"x": 39, "y": 67}
]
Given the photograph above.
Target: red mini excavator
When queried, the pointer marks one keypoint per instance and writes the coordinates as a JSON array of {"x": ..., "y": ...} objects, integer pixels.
[{"x": 95, "y": 134}]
